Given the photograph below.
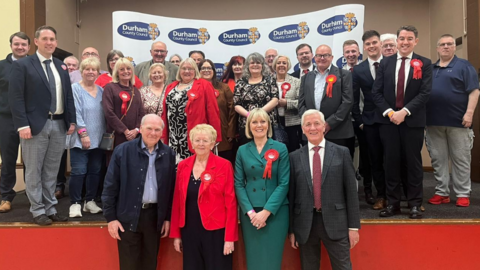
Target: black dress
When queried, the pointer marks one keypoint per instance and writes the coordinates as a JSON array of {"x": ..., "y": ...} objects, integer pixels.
[{"x": 202, "y": 249}]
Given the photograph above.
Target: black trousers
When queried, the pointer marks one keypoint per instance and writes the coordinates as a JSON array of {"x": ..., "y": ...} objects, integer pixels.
[
  {"x": 349, "y": 143},
  {"x": 294, "y": 135},
  {"x": 61, "y": 177},
  {"x": 9, "y": 141},
  {"x": 338, "y": 250},
  {"x": 139, "y": 250},
  {"x": 364, "y": 168},
  {"x": 375, "y": 154},
  {"x": 403, "y": 145}
]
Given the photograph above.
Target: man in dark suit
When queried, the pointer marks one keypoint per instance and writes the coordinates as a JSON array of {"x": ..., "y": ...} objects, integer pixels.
[
  {"x": 367, "y": 117},
  {"x": 138, "y": 194},
  {"x": 43, "y": 111},
  {"x": 400, "y": 91},
  {"x": 336, "y": 105},
  {"x": 305, "y": 63},
  {"x": 323, "y": 198},
  {"x": 9, "y": 140}
]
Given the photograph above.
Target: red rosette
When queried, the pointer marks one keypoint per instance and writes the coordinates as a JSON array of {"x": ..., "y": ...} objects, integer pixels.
[
  {"x": 417, "y": 68},
  {"x": 125, "y": 97},
  {"x": 331, "y": 79},
  {"x": 207, "y": 177},
  {"x": 217, "y": 93},
  {"x": 271, "y": 155},
  {"x": 64, "y": 67},
  {"x": 192, "y": 95},
  {"x": 285, "y": 88}
]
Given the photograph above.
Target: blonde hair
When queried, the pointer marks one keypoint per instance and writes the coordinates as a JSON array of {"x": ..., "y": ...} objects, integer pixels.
[
  {"x": 90, "y": 62},
  {"x": 194, "y": 66},
  {"x": 152, "y": 67},
  {"x": 274, "y": 64},
  {"x": 205, "y": 129},
  {"x": 119, "y": 64},
  {"x": 258, "y": 112}
]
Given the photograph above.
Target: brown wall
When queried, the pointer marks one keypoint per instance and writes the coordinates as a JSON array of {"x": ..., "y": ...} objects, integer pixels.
[{"x": 62, "y": 16}]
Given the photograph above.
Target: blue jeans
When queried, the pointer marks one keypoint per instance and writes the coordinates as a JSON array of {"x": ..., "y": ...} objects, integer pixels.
[{"x": 86, "y": 165}]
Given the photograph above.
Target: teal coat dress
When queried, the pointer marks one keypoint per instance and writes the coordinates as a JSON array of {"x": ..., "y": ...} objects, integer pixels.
[{"x": 264, "y": 247}]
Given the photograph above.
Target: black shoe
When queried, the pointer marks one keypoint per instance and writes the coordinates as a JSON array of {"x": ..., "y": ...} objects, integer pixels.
[
  {"x": 57, "y": 218},
  {"x": 369, "y": 198},
  {"x": 415, "y": 212},
  {"x": 42, "y": 220},
  {"x": 59, "y": 193},
  {"x": 358, "y": 175},
  {"x": 390, "y": 211}
]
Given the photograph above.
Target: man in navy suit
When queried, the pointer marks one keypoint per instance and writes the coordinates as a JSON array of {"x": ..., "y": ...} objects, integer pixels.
[
  {"x": 43, "y": 111},
  {"x": 367, "y": 117},
  {"x": 400, "y": 91}
]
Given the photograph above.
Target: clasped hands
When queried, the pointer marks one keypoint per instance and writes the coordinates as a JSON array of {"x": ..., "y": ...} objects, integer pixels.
[
  {"x": 259, "y": 219},
  {"x": 130, "y": 134},
  {"x": 397, "y": 117}
]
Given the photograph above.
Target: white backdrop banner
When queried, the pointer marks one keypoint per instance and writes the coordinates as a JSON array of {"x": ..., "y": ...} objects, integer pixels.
[{"x": 134, "y": 33}]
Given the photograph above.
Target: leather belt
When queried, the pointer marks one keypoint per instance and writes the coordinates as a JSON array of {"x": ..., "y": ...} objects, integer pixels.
[
  {"x": 56, "y": 116},
  {"x": 318, "y": 211},
  {"x": 148, "y": 205}
]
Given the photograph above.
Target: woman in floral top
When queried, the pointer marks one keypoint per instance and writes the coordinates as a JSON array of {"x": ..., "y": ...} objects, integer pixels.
[
  {"x": 152, "y": 95},
  {"x": 256, "y": 90}
]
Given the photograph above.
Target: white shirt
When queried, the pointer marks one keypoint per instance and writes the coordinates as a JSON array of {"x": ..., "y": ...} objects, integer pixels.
[
  {"x": 58, "y": 82},
  {"x": 407, "y": 71},
  {"x": 321, "y": 152},
  {"x": 310, "y": 69},
  {"x": 281, "y": 110},
  {"x": 372, "y": 66}
]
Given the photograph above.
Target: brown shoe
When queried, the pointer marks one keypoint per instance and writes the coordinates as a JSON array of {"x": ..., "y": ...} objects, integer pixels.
[
  {"x": 59, "y": 194},
  {"x": 380, "y": 204},
  {"x": 422, "y": 208},
  {"x": 5, "y": 207}
]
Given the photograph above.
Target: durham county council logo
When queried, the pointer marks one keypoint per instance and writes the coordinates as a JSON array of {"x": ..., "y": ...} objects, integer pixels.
[
  {"x": 131, "y": 60},
  {"x": 239, "y": 37},
  {"x": 139, "y": 30},
  {"x": 289, "y": 33},
  {"x": 189, "y": 36},
  {"x": 338, "y": 24}
]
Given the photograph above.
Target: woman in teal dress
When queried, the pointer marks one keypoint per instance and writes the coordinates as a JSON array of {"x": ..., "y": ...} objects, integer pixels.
[{"x": 262, "y": 171}]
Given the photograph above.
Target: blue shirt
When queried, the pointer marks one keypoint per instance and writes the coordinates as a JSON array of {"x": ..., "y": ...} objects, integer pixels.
[
  {"x": 451, "y": 86},
  {"x": 320, "y": 80},
  {"x": 150, "y": 189},
  {"x": 90, "y": 115}
]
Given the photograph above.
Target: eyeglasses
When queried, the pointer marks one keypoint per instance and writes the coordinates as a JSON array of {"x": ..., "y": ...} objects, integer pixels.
[
  {"x": 175, "y": 61},
  {"x": 270, "y": 56},
  {"x": 113, "y": 60},
  {"x": 187, "y": 69},
  {"x": 325, "y": 56},
  {"x": 448, "y": 44},
  {"x": 160, "y": 51},
  {"x": 206, "y": 69},
  {"x": 90, "y": 54},
  {"x": 389, "y": 46}
]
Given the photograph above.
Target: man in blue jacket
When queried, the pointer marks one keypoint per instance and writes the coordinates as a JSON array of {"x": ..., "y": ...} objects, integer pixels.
[{"x": 137, "y": 195}]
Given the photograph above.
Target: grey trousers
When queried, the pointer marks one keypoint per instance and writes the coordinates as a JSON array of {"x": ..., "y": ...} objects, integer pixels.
[
  {"x": 338, "y": 250},
  {"x": 41, "y": 156},
  {"x": 454, "y": 144}
]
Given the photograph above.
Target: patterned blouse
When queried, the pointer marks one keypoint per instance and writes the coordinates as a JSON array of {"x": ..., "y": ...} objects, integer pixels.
[
  {"x": 176, "y": 101},
  {"x": 152, "y": 103},
  {"x": 251, "y": 96}
]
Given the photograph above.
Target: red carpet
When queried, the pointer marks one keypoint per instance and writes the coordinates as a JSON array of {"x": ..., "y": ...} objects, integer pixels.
[{"x": 392, "y": 245}]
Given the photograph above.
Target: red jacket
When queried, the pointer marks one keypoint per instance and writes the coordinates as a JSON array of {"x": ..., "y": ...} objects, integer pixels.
[
  {"x": 216, "y": 202},
  {"x": 202, "y": 108}
]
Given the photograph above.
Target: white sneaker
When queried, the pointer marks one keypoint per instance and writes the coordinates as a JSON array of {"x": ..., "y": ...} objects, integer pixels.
[
  {"x": 75, "y": 210},
  {"x": 91, "y": 207}
]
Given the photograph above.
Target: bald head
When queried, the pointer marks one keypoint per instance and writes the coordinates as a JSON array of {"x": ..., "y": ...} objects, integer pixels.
[
  {"x": 323, "y": 57},
  {"x": 151, "y": 128},
  {"x": 90, "y": 52}
]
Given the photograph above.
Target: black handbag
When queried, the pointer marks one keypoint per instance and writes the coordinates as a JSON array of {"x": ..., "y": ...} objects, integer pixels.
[
  {"x": 108, "y": 139},
  {"x": 279, "y": 133}
]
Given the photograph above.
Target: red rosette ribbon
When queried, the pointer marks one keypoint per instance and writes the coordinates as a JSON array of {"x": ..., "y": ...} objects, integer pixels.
[
  {"x": 331, "y": 79},
  {"x": 125, "y": 97},
  {"x": 207, "y": 177},
  {"x": 271, "y": 155},
  {"x": 192, "y": 95},
  {"x": 285, "y": 88},
  {"x": 217, "y": 93},
  {"x": 417, "y": 68}
]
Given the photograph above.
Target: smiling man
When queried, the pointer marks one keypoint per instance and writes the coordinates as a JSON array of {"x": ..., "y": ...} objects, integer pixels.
[
  {"x": 400, "y": 91},
  {"x": 270, "y": 54},
  {"x": 40, "y": 95},
  {"x": 9, "y": 140},
  {"x": 304, "y": 57},
  {"x": 389, "y": 44},
  {"x": 351, "y": 52},
  {"x": 450, "y": 111},
  {"x": 158, "y": 52}
]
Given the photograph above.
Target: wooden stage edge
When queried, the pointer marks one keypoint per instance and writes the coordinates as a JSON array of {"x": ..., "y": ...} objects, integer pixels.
[{"x": 88, "y": 224}]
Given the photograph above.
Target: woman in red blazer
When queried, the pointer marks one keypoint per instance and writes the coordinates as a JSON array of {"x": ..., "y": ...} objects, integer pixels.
[
  {"x": 204, "y": 219},
  {"x": 189, "y": 101}
]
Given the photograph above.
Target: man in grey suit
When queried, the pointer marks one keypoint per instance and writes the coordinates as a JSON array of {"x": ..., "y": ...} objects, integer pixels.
[
  {"x": 323, "y": 199},
  {"x": 336, "y": 104},
  {"x": 159, "y": 53}
]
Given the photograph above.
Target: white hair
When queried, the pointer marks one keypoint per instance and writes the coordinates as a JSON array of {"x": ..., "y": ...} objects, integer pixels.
[
  {"x": 310, "y": 112},
  {"x": 388, "y": 36}
]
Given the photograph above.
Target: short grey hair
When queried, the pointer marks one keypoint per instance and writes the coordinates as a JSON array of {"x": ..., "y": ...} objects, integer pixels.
[
  {"x": 447, "y": 36},
  {"x": 256, "y": 58},
  {"x": 388, "y": 36},
  {"x": 150, "y": 115},
  {"x": 71, "y": 57},
  {"x": 179, "y": 57},
  {"x": 311, "y": 112}
]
